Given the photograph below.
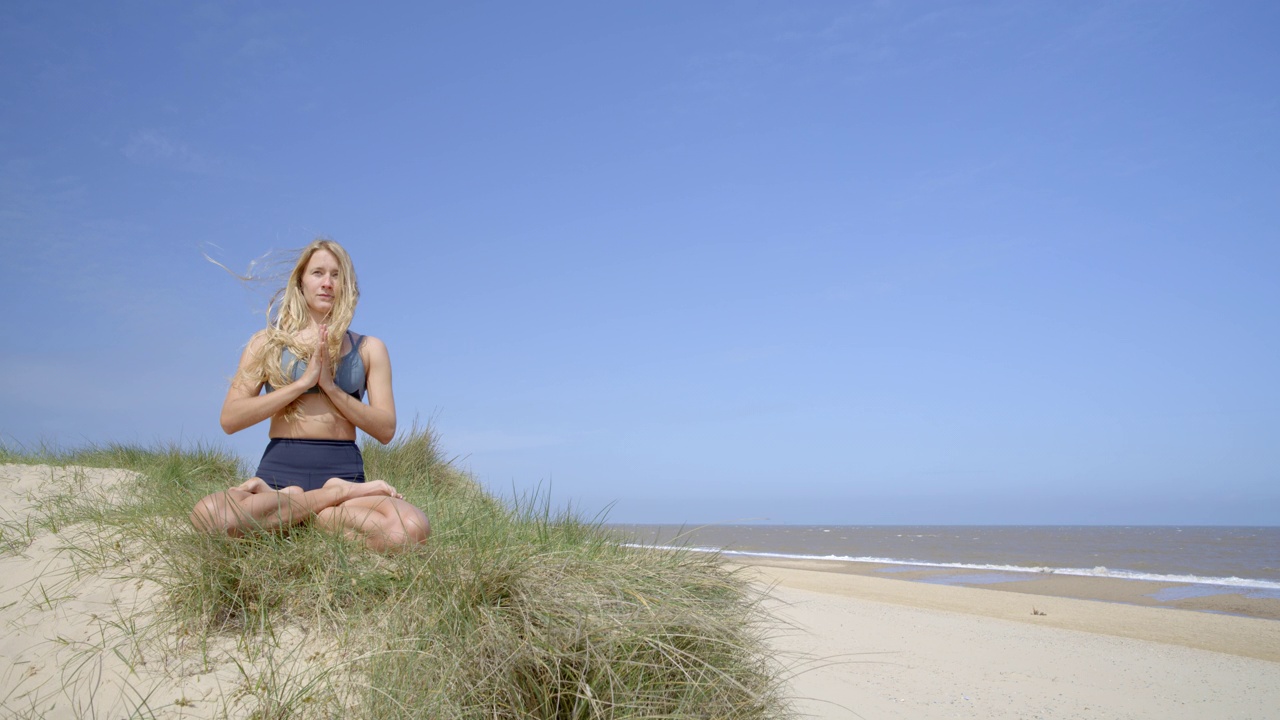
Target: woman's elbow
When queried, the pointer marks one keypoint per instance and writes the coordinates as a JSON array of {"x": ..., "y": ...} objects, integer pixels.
[
  {"x": 386, "y": 433},
  {"x": 229, "y": 424}
]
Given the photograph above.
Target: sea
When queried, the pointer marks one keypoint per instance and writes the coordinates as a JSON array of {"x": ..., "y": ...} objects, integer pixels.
[{"x": 1209, "y": 560}]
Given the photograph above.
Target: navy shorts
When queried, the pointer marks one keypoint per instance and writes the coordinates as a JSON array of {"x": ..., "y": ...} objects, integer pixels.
[{"x": 309, "y": 463}]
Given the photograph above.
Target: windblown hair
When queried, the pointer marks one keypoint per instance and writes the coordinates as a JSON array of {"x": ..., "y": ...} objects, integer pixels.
[{"x": 287, "y": 315}]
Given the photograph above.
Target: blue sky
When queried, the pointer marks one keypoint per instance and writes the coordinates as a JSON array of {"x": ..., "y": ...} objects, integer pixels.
[{"x": 1006, "y": 262}]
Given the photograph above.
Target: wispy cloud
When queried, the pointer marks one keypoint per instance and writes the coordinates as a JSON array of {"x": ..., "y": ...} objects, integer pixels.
[
  {"x": 152, "y": 147},
  {"x": 881, "y": 37}
]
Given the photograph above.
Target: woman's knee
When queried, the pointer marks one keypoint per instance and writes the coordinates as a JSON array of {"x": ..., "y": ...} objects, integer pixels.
[
  {"x": 212, "y": 515},
  {"x": 386, "y": 525},
  {"x": 410, "y": 525},
  {"x": 418, "y": 528},
  {"x": 409, "y": 533},
  {"x": 396, "y": 523},
  {"x": 329, "y": 518}
]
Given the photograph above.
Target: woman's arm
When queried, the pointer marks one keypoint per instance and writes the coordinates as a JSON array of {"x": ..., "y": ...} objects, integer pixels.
[
  {"x": 378, "y": 418},
  {"x": 245, "y": 407}
]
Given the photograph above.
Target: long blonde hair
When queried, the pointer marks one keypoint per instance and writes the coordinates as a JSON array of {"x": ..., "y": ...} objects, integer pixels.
[{"x": 287, "y": 315}]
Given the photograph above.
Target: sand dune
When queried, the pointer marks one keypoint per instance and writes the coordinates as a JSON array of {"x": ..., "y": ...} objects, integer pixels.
[{"x": 79, "y": 644}]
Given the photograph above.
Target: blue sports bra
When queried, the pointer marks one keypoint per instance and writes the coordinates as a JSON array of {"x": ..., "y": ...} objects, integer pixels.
[{"x": 349, "y": 375}]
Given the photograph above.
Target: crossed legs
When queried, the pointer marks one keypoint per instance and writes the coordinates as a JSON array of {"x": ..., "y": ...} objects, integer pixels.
[
  {"x": 372, "y": 512},
  {"x": 384, "y": 524}
]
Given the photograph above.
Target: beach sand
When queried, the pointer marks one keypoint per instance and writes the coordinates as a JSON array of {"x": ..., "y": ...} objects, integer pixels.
[
  {"x": 875, "y": 647},
  {"x": 75, "y": 643}
]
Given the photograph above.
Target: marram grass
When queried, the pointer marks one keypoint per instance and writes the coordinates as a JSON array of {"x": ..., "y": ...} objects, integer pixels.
[{"x": 511, "y": 610}]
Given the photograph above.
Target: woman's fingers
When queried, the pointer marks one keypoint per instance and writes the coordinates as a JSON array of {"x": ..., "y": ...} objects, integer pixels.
[
  {"x": 315, "y": 374},
  {"x": 321, "y": 359},
  {"x": 253, "y": 486}
]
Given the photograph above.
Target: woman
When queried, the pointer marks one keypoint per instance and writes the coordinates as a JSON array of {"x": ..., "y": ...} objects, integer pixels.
[{"x": 312, "y": 470}]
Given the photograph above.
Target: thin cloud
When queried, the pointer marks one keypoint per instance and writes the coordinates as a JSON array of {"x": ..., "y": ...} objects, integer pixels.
[
  {"x": 733, "y": 73},
  {"x": 152, "y": 147}
]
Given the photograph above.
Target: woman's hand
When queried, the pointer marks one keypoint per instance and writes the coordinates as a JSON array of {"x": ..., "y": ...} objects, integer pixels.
[
  {"x": 245, "y": 406},
  {"x": 253, "y": 486},
  {"x": 317, "y": 372},
  {"x": 378, "y": 418}
]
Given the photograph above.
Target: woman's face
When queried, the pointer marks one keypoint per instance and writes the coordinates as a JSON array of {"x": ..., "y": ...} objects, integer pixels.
[{"x": 320, "y": 281}]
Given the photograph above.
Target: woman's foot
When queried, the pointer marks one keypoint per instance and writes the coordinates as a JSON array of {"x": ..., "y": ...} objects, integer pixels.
[{"x": 374, "y": 488}]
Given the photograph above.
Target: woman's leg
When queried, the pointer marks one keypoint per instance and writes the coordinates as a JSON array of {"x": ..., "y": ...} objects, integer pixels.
[
  {"x": 255, "y": 506},
  {"x": 384, "y": 524}
]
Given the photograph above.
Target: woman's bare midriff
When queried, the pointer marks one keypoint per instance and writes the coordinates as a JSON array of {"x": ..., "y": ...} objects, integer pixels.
[{"x": 319, "y": 421}]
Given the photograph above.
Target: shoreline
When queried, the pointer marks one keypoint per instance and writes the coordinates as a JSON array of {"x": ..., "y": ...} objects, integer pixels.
[
  {"x": 1197, "y": 597},
  {"x": 860, "y": 646},
  {"x": 1104, "y": 606},
  {"x": 1213, "y": 559}
]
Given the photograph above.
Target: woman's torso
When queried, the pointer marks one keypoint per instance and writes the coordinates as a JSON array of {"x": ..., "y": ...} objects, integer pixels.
[{"x": 318, "y": 419}]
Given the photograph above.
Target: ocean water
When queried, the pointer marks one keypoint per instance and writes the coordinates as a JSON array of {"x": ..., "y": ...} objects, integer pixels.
[{"x": 1210, "y": 557}]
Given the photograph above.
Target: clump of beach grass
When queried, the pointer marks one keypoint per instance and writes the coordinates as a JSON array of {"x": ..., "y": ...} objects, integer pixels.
[{"x": 513, "y": 609}]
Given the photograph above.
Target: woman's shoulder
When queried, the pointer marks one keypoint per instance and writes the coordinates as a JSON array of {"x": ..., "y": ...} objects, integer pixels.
[
  {"x": 268, "y": 340},
  {"x": 370, "y": 347},
  {"x": 370, "y": 342},
  {"x": 258, "y": 339}
]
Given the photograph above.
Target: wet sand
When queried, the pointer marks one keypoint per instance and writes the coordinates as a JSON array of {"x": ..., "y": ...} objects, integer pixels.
[{"x": 1134, "y": 592}]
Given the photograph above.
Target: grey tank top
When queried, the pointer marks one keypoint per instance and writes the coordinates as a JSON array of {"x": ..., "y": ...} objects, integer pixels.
[{"x": 349, "y": 375}]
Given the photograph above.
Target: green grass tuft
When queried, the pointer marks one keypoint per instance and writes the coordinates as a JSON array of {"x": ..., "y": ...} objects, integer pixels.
[{"x": 511, "y": 610}]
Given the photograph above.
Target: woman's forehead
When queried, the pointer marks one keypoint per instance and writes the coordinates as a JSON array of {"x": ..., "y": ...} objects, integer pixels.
[{"x": 322, "y": 258}]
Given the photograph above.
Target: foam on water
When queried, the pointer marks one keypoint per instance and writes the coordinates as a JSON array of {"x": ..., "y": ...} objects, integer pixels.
[{"x": 1234, "y": 582}]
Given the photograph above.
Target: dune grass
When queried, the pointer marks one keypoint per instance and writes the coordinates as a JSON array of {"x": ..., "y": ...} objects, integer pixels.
[{"x": 511, "y": 610}]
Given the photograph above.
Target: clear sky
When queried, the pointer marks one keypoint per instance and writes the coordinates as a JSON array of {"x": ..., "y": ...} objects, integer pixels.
[{"x": 803, "y": 262}]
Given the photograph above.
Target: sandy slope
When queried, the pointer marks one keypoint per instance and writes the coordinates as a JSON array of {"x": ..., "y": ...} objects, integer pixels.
[{"x": 75, "y": 644}]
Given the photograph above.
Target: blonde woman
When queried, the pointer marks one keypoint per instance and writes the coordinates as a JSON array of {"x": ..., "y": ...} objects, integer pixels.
[{"x": 315, "y": 373}]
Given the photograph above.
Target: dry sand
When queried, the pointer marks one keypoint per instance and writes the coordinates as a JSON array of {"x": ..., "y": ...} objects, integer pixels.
[
  {"x": 72, "y": 644},
  {"x": 888, "y": 648}
]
